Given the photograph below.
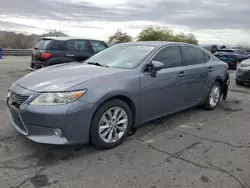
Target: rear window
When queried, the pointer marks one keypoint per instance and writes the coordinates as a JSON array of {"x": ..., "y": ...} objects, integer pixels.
[
  {"x": 42, "y": 45},
  {"x": 78, "y": 45},
  {"x": 47, "y": 44},
  {"x": 207, "y": 58}
]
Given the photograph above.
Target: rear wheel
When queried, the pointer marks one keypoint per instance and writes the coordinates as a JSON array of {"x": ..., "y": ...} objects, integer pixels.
[
  {"x": 213, "y": 97},
  {"x": 111, "y": 124}
]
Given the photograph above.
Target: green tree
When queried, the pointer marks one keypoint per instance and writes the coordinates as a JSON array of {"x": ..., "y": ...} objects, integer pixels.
[
  {"x": 120, "y": 37},
  {"x": 156, "y": 34},
  {"x": 165, "y": 34}
]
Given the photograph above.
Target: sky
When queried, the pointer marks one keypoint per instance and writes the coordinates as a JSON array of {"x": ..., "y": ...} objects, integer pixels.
[{"x": 220, "y": 22}]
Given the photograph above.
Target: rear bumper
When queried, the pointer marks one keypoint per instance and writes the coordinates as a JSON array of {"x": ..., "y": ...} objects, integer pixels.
[
  {"x": 34, "y": 65},
  {"x": 232, "y": 64},
  {"x": 225, "y": 87}
]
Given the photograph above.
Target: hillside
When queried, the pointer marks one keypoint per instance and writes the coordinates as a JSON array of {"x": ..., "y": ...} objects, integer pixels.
[{"x": 22, "y": 41}]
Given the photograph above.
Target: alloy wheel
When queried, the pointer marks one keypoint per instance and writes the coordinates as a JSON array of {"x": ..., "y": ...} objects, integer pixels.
[
  {"x": 113, "y": 125},
  {"x": 214, "y": 95}
]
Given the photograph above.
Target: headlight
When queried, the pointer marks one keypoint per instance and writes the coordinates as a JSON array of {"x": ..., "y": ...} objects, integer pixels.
[{"x": 51, "y": 99}]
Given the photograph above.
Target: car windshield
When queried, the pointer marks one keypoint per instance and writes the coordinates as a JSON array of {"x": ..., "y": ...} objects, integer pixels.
[{"x": 122, "y": 56}]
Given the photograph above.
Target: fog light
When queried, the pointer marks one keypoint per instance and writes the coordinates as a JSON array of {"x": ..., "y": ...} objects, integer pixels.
[{"x": 58, "y": 132}]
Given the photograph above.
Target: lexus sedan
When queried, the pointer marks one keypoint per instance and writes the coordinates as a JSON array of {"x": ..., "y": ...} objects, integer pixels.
[{"x": 121, "y": 87}]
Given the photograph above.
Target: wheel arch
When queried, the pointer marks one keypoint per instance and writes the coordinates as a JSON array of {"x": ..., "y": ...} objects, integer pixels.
[
  {"x": 220, "y": 80},
  {"x": 122, "y": 97},
  {"x": 224, "y": 87}
]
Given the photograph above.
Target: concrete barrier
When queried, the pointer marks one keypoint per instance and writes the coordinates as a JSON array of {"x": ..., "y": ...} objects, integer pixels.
[{"x": 16, "y": 52}]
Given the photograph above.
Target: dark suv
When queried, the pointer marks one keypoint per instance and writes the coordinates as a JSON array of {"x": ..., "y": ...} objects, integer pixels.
[
  {"x": 232, "y": 56},
  {"x": 56, "y": 50}
]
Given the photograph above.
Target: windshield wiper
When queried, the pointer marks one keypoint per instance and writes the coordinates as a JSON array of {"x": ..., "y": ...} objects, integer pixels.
[{"x": 97, "y": 64}]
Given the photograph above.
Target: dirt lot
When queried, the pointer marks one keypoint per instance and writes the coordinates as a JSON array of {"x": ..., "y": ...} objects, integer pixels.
[{"x": 194, "y": 148}]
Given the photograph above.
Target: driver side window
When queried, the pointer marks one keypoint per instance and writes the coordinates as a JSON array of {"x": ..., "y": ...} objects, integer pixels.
[{"x": 170, "y": 57}]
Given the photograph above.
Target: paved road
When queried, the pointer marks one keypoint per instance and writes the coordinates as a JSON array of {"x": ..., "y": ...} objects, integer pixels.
[{"x": 194, "y": 148}]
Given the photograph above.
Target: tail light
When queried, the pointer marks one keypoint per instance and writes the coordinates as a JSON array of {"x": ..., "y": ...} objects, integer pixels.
[
  {"x": 227, "y": 67},
  {"x": 233, "y": 56},
  {"x": 45, "y": 56}
]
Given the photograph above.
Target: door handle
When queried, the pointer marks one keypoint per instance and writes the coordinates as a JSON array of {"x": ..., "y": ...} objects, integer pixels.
[
  {"x": 181, "y": 74},
  {"x": 70, "y": 55},
  {"x": 210, "y": 69}
]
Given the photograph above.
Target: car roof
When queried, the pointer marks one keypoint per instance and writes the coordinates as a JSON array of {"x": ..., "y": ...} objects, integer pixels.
[
  {"x": 68, "y": 38},
  {"x": 156, "y": 43}
]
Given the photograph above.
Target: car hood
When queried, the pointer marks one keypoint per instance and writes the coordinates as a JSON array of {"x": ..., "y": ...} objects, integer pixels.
[
  {"x": 62, "y": 77},
  {"x": 246, "y": 63}
]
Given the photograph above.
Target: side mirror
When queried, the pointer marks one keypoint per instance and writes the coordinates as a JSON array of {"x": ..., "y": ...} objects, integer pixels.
[{"x": 155, "y": 66}]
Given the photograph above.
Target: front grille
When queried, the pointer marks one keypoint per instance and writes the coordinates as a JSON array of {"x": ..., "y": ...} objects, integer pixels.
[{"x": 17, "y": 100}]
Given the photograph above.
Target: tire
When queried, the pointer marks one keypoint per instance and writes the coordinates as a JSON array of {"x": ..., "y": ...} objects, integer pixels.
[
  {"x": 110, "y": 142},
  {"x": 239, "y": 83},
  {"x": 208, "y": 104}
]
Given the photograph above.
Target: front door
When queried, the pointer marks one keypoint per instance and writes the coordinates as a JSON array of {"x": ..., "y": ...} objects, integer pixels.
[{"x": 162, "y": 94}]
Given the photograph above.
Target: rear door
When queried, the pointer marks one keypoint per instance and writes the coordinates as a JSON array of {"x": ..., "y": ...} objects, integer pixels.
[
  {"x": 196, "y": 74},
  {"x": 78, "y": 49}
]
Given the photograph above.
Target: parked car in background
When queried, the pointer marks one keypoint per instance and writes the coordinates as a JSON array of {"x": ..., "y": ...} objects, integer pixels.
[
  {"x": 232, "y": 56},
  {"x": 124, "y": 86},
  {"x": 243, "y": 73},
  {"x": 244, "y": 53},
  {"x": 56, "y": 50}
]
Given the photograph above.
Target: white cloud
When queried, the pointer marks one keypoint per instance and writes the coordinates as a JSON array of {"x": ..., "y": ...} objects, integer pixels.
[{"x": 211, "y": 22}]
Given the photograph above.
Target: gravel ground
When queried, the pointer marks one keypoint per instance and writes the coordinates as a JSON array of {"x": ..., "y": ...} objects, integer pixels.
[{"x": 194, "y": 148}]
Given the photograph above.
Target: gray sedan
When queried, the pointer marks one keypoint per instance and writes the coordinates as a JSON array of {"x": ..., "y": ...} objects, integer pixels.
[
  {"x": 243, "y": 72},
  {"x": 124, "y": 86}
]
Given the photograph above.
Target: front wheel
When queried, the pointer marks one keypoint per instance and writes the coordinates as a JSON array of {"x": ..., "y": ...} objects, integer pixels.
[
  {"x": 213, "y": 97},
  {"x": 111, "y": 124}
]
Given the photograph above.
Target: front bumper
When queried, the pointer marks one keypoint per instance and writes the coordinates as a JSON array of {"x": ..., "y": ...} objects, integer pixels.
[
  {"x": 38, "y": 123},
  {"x": 243, "y": 74}
]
